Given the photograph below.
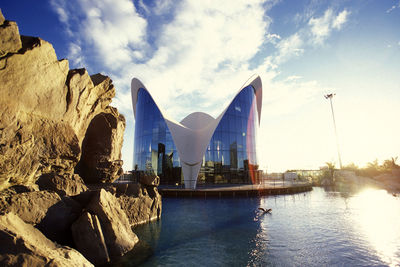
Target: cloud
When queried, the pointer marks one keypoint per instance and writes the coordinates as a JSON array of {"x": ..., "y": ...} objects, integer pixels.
[
  {"x": 197, "y": 59},
  {"x": 321, "y": 27},
  {"x": 340, "y": 19},
  {"x": 313, "y": 33},
  {"x": 60, "y": 7},
  {"x": 293, "y": 78},
  {"x": 162, "y": 7},
  {"x": 115, "y": 30},
  {"x": 75, "y": 55},
  {"x": 393, "y": 8},
  {"x": 289, "y": 47},
  {"x": 143, "y": 6},
  {"x": 273, "y": 38}
]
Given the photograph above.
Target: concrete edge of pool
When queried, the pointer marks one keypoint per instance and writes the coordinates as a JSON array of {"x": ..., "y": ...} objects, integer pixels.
[{"x": 234, "y": 191}]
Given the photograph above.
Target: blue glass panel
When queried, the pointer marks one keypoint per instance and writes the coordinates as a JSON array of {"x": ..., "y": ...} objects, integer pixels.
[
  {"x": 237, "y": 132},
  {"x": 232, "y": 143},
  {"x": 154, "y": 147}
]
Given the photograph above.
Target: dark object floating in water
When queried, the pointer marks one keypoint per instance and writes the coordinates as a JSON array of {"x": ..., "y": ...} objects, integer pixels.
[{"x": 265, "y": 210}]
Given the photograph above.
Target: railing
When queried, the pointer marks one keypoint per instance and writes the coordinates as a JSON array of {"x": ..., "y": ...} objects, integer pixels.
[{"x": 266, "y": 183}]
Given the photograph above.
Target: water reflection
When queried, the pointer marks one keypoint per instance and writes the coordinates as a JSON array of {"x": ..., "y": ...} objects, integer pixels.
[
  {"x": 318, "y": 228},
  {"x": 378, "y": 215}
]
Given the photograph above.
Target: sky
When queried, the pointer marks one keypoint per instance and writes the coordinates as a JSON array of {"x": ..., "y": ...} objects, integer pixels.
[{"x": 195, "y": 55}]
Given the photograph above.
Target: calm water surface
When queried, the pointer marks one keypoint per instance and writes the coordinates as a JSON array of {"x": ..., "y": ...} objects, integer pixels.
[{"x": 318, "y": 228}]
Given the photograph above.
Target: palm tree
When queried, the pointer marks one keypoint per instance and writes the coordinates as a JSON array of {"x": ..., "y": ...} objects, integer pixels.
[
  {"x": 390, "y": 164},
  {"x": 331, "y": 169}
]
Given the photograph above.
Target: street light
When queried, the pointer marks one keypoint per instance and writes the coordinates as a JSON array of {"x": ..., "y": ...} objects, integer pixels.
[{"x": 330, "y": 96}]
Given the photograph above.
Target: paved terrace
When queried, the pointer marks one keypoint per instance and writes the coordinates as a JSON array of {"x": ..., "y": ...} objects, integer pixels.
[{"x": 266, "y": 188}]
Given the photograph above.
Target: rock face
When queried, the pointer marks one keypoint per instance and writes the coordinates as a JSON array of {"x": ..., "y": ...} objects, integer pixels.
[
  {"x": 141, "y": 208},
  {"x": 56, "y": 225},
  {"x": 56, "y": 126},
  {"x": 70, "y": 185},
  {"x": 32, "y": 207},
  {"x": 117, "y": 232},
  {"x": 10, "y": 41},
  {"x": 101, "y": 148},
  {"x": 2, "y": 19},
  {"x": 150, "y": 180},
  {"x": 24, "y": 245},
  {"x": 89, "y": 239},
  {"x": 46, "y": 110},
  {"x": 46, "y": 210}
]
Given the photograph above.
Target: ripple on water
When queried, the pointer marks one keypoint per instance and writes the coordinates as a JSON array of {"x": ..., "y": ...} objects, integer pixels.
[{"x": 314, "y": 229}]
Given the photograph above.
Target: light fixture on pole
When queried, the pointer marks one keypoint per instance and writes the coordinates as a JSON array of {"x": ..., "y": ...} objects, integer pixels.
[{"x": 330, "y": 96}]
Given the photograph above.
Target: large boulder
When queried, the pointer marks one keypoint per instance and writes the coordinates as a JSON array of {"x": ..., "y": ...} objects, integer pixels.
[
  {"x": 69, "y": 185},
  {"x": 45, "y": 210},
  {"x": 56, "y": 225},
  {"x": 45, "y": 111},
  {"x": 31, "y": 97},
  {"x": 149, "y": 179},
  {"x": 141, "y": 209},
  {"x": 117, "y": 232},
  {"x": 101, "y": 148},
  {"x": 89, "y": 239},
  {"x": 140, "y": 204},
  {"x": 128, "y": 189},
  {"x": 87, "y": 96},
  {"x": 24, "y": 245},
  {"x": 32, "y": 207}
]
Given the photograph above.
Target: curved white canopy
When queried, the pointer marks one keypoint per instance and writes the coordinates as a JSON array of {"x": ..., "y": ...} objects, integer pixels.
[{"x": 192, "y": 135}]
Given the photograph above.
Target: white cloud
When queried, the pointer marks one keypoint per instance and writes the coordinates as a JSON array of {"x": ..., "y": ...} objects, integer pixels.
[
  {"x": 163, "y": 6},
  {"x": 202, "y": 51},
  {"x": 205, "y": 46},
  {"x": 289, "y": 47},
  {"x": 340, "y": 19},
  {"x": 75, "y": 55},
  {"x": 321, "y": 27},
  {"x": 273, "y": 38},
  {"x": 393, "y": 8},
  {"x": 143, "y": 6},
  {"x": 293, "y": 77},
  {"x": 315, "y": 32},
  {"x": 115, "y": 30},
  {"x": 60, "y": 7}
]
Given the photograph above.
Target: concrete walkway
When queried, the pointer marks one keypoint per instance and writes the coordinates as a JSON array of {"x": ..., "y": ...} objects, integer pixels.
[{"x": 269, "y": 188}]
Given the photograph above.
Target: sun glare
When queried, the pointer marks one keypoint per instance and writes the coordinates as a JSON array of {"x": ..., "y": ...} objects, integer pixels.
[{"x": 378, "y": 215}]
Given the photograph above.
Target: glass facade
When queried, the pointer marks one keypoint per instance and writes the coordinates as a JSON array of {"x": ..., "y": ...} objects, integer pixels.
[
  {"x": 154, "y": 150},
  {"x": 230, "y": 157}
]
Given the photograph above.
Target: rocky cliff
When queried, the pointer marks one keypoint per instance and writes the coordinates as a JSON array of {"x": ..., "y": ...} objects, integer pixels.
[
  {"x": 46, "y": 110},
  {"x": 60, "y": 148}
]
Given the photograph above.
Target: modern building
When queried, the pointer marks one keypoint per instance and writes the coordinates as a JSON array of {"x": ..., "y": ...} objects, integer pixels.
[{"x": 200, "y": 149}]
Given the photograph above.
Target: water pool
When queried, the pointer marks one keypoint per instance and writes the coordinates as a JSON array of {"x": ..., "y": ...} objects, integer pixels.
[{"x": 317, "y": 228}]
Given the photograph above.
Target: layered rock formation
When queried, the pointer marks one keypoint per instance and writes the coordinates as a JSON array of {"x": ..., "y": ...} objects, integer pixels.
[
  {"x": 140, "y": 203},
  {"x": 89, "y": 238},
  {"x": 24, "y": 245},
  {"x": 60, "y": 145},
  {"x": 117, "y": 232},
  {"x": 46, "y": 111},
  {"x": 100, "y": 160}
]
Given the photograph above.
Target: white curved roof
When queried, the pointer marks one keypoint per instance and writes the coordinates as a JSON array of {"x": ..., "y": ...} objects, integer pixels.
[{"x": 192, "y": 135}]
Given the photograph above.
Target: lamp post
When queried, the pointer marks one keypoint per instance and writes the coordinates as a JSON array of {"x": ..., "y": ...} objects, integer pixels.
[{"x": 330, "y": 96}]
